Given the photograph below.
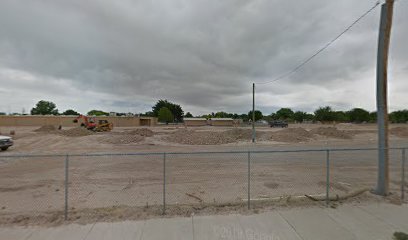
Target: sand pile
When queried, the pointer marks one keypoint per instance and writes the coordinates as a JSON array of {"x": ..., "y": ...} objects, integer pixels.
[
  {"x": 46, "y": 128},
  {"x": 331, "y": 132},
  {"x": 77, "y": 132},
  {"x": 291, "y": 135},
  {"x": 142, "y": 132},
  {"x": 399, "y": 132},
  {"x": 191, "y": 137}
]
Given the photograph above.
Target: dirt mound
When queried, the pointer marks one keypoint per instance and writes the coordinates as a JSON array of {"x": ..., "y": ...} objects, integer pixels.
[
  {"x": 399, "y": 132},
  {"x": 291, "y": 135},
  {"x": 191, "y": 137},
  {"x": 122, "y": 139},
  {"x": 331, "y": 132},
  {"x": 239, "y": 134},
  {"x": 46, "y": 128},
  {"x": 127, "y": 137},
  {"x": 142, "y": 132},
  {"x": 76, "y": 132}
]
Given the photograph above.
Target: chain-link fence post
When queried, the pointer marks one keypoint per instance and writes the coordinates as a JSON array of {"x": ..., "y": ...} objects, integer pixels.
[
  {"x": 249, "y": 179},
  {"x": 403, "y": 175},
  {"x": 327, "y": 176},
  {"x": 164, "y": 183},
  {"x": 66, "y": 186}
]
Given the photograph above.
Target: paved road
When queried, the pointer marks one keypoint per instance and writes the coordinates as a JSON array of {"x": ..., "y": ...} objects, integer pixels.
[{"x": 371, "y": 222}]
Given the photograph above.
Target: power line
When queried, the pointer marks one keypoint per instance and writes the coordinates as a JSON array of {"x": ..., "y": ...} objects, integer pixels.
[{"x": 323, "y": 48}]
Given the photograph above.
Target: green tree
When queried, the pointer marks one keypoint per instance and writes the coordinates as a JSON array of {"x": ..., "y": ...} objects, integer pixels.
[
  {"x": 284, "y": 114},
  {"x": 44, "y": 108},
  {"x": 175, "y": 109},
  {"x": 309, "y": 117},
  {"x": 400, "y": 236},
  {"x": 340, "y": 116},
  {"x": 258, "y": 115},
  {"x": 147, "y": 114},
  {"x": 358, "y": 115},
  {"x": 97, "y": 113},
  {"x": 188, "y": 115},
  {"x": 299, "y": 116},
  {"x": 70, "y": 112},
  {"x": 399, "y": 116},
  {"x": 244, "y": 117},
  {"x": 373, "y": 117},
  {"x": 223, "y": 115},
  {"x": 272, "y": 116},
  {"x": 325, "y": 114},
  {"x": 165, "y": 115}
]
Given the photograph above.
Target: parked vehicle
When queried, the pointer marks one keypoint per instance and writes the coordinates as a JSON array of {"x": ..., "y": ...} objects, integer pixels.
[
  {"x": 5, "y": 142},
  {"x": 278, "y": 123}
]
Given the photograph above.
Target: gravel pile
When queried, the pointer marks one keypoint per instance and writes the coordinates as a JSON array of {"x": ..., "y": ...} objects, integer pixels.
[
  {"x": 129, "y": 137},
  {"x": 121, "y": 139},
  {"x": 142, "y": 132},
  {"x": 399, "y": 131},
  {"x": 331, "y": 132},
  {"x": 239, "y": 134},
  {"x": 291, "y": 135},
  {"x": 76, "y": 132},
  {"x": 191, "y": 137},
  {"x": 46, "y": 128}
]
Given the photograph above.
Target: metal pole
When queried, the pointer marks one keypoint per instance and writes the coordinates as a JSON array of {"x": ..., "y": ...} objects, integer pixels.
[
  {"x": 249, "y": 179},
  {"x": 164, "y": 183},
  {"x": 403, "y": 176},
  {"x": 327, "y": 176},
  {"x": 66, "y": 186},
  {"x": 253, "y": 113},
  {"x": 382, "y": 108}
]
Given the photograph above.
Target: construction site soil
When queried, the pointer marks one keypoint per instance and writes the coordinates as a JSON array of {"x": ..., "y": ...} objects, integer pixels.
[
  {"x": 163, "y": 138},
  {"x": 108, "y": 187}
]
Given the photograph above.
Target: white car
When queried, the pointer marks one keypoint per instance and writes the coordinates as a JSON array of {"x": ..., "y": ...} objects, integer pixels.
[{"x": 5, "y": 142}]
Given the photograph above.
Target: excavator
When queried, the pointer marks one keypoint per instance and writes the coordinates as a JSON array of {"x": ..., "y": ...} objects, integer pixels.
[{"x": 90, "y": 124}]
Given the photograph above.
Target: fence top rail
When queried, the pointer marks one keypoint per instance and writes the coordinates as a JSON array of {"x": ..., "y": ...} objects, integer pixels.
[{"x": 195, "y": 153}]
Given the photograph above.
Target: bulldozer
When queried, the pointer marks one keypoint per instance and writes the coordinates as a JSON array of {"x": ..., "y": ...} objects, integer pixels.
[{"x": 90, "y": 124}]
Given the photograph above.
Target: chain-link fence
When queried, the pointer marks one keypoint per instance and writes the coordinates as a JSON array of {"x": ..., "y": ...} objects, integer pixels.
[{"x": 80, "y": 184}]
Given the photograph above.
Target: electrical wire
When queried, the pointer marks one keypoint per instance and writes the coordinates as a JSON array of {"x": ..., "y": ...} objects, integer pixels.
[{"x": 294, "y": 70}]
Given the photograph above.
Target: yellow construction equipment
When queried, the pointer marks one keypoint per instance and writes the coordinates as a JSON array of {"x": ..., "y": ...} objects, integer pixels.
[{"x": 90, "y": 124}]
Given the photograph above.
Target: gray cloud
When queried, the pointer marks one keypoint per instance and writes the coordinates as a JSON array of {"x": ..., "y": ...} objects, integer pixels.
[{"x": 204, "y": 55}]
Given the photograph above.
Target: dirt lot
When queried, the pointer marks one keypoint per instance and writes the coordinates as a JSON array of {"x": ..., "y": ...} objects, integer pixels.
[
  {"x": 173, "y": 138},
  {"x": 101, "y": 187}
]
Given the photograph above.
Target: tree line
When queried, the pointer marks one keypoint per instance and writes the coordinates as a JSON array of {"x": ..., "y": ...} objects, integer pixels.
[
  {"x": 167, "y": 111},
  {"x": 322, "y": 114}
]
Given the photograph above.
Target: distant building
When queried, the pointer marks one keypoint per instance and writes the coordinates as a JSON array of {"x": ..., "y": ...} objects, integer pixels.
[
  {"x": 221, "y": 122},
  {"x": 195, "y": 122},
  {"x": 67, "y": 121}
]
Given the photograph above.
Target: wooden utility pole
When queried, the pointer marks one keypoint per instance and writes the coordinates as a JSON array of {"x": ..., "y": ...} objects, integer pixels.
[{"x": 382, "y": 106}]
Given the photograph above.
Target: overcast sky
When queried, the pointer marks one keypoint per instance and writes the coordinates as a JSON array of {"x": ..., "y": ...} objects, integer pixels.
[{"x": 204, "y": 55}]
